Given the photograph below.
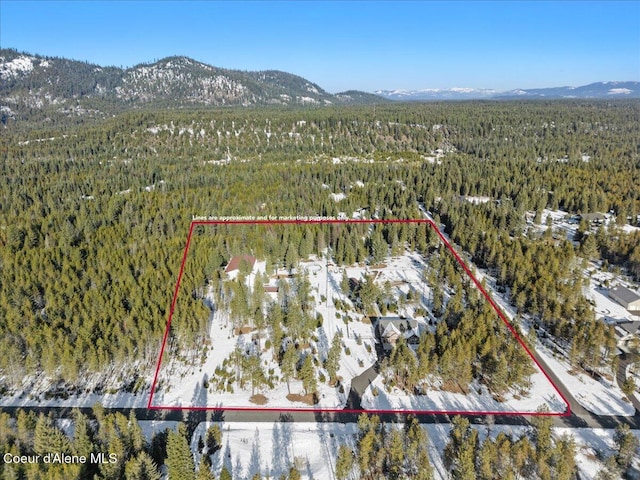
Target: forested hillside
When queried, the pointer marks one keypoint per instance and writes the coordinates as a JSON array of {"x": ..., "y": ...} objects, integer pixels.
[
  {"x": 93, "y": 220},
  {"x": 37, "y": 90}
]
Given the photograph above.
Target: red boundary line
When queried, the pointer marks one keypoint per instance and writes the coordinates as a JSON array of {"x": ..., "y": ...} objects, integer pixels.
[{"x": 497, "y": 309}]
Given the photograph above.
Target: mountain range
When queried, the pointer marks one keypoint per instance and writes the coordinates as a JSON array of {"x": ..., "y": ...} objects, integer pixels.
[
  {"x": 39, "y": 88},
  {"x": 35, "y": 87},
  {"x": 593, "y": 90}
]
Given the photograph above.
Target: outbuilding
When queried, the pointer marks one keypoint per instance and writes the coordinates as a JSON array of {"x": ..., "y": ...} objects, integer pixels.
[{"x": 626, "y": 297}]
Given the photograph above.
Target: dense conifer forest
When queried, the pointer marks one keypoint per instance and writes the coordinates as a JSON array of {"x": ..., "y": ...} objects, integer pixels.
[{"x": 93, "y": 219}]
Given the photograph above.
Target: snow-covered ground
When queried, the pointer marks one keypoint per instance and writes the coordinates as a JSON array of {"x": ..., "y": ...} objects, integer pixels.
[
  {"x": 560, "y": 220},
  {"x": 39, "y": 390},
  {"x": 479, "y": 399},
  {"x": 183, "y": 385},
  {"x": 270, "y": 449},
  {"x": 477, "y": 200},
  {"x": 597, "y": 291},
  {"x": 630, "y": 228},
  {"x": 153, "y": 427},
  {"x": 593, "y": 444},
  {"x": 601, "y": 397}
]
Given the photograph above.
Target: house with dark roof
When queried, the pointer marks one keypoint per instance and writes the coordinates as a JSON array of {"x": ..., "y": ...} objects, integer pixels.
[
  {"x": 389, "y": 329},
  {"x": 626, "y": 297},
  {"x": 595, "y": 218},
  {"x": 630, "y": 327}
]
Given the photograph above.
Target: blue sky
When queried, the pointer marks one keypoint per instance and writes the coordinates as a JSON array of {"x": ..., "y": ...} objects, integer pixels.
[{"x": 348, "y": 45}]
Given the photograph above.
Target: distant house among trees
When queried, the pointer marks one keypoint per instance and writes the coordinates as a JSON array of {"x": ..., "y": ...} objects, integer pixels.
[
  {"x": 595, "y": 218},
  {"x": 238, "y": 261},
  {"x": 626, "y": 297}
]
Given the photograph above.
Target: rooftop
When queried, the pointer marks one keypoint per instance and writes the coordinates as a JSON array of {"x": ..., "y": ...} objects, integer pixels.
[
  {"x": 625, "y": 294},
  {"x": 234, "y": 263}
]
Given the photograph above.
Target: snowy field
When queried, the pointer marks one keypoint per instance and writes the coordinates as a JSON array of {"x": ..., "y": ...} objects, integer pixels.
[
  {"x": 601, "y": 397},
  {"x": 270, "y": 449},
  {"x": 479, "y": 399}
]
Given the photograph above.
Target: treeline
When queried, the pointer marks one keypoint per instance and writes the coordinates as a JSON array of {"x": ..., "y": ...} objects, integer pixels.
[
  {"x": 534, "y": 455},
  {"x": 385, "y": 451},
  {"x": 114, "y": 447},
  {"x": 537, "y": 454}
]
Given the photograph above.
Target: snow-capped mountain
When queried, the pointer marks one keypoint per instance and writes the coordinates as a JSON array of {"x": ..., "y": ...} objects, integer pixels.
[
  {"x": 455, "y": 93},
  {"x": 593, "y": 90}
]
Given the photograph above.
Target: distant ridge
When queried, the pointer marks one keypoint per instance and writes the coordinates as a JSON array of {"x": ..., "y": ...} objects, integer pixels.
[
  {"x": 33, "y": 83},
  {"x": 602, "y": 90}
]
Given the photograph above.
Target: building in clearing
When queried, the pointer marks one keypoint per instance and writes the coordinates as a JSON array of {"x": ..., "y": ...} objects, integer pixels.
[
  {"x": 626, "y": 297},
  {"x": 595, "y": 218},
  {"x": 233, "y": 268},
  {"x": 389, "y": 329}
]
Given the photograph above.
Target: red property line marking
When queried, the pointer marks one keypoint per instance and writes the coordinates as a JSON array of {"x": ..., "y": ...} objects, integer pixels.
[
  {"x": 173, "y": 305},
  {"x": 502, "y": 317},
  {"x": 430, "y": 222}
]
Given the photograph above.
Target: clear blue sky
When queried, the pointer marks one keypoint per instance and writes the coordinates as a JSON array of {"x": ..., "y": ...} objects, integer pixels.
[{"x": 356, "y": 45}]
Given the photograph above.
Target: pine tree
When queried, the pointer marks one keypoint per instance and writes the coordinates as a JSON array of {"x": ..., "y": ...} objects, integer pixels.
[
  {"x": 204, "y": 469},
  {"x": 345, "y": 285},
  {"x": 366, "y": 451},
  {"x": 308, "y": 376},
  {"x": 460, "y": 452},
  {"x": 395, "y": 456},
  {"x": 115, "y": 446},
  {"x": 137, "y": 440},
  {"x": 378, "y": 246},
  {"x": 333, "y": 358},
  {"x": 344, "y": 462},
  {"x": 82, "y": 436},
  {"x": 563, "y": 459},
  {"x": 252, "y": 368},
  {"x": 25, "y": 427},
  {"x": 179, "y": 457},
  {"x": 224, "y": 474},
  {"x": 626, "y": 445},
  {"x": 48, "y": 438},
  {"x": 141, "y": 467},
  {"x": 214, "y": 439},
  {"x": 288, "y": 366},
  {"x": 628, "y": 386},
  {"x": 294, "y": 474}
]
